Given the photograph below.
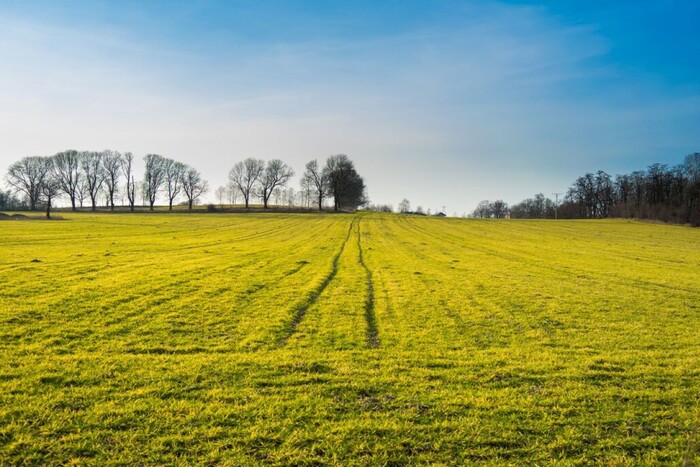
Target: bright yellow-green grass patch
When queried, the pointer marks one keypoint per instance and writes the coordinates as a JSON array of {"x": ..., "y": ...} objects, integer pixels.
[{"x": 349, "y": 339}]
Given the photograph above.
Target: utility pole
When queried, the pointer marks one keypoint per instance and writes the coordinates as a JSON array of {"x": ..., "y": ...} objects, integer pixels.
[{"x": 556, "y": 204}]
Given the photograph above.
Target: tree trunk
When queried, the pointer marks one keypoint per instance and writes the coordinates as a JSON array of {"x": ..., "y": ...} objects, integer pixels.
[{"x": 190, "y": 203}]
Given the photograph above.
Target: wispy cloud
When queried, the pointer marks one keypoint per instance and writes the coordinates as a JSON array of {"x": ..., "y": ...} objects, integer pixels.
[{"x": 496, "y": 100}]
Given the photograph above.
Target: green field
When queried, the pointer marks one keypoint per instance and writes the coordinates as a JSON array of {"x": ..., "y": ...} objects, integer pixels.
[{"x": 349, "y": 339}]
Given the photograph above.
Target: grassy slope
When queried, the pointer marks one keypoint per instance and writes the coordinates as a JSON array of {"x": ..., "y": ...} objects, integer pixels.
[{"x": 301, "y": 338}]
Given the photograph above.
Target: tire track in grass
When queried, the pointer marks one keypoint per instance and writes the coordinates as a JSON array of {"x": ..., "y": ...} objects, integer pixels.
[
  {"x": 300, "y": 311},
  {"x": 370, "y": 316}
]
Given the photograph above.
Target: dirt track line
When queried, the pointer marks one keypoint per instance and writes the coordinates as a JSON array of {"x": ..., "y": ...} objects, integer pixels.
[
  {"x": 300, "y": 312},
  {"x": 370, "y": 316}
]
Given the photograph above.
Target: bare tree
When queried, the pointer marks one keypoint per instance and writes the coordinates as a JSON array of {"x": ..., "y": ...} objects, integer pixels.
[
  {"x": 66, "y": 169},
  {"x": 277, "y": 194},
  {"x": 193, "y": 185},
  {"x": 127, "y": 170},
  {"x": 112, "y": 163},
  {"x": 220, "y": 194},
  {"x": 405, "y": 206},
  {"x": 317, "y": 178},
  {"x": 174, "y": 174},
  {"x": 290, "y": 196},
  {"x": 276, "y": 174},
  {"x": 81, "y": 191},
  {"x": 244, "y": 176},
  {"x": 305, "y": 193},
  {"x": 483, "y": 210},
  {"x": 50, "y": 185},
  {"x": 26, "y": 176},
  {"x": 153, "y": 178},
  {"x": 231, "y": 193},
  {"x": 93, "y": 171}
]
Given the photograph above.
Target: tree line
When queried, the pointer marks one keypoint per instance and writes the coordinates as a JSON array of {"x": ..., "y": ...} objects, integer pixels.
[
  {"x": 337, "y": 180},
  {"x": 660, "y": 192},
  {"x": 36, "y": 182},
  {"x": 86, "y": 175}
]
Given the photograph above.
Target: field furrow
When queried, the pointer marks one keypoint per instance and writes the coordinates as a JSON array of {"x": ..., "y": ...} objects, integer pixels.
[
  {"x": 248, "y": 339},
  {"x": 370, "y": 317}
]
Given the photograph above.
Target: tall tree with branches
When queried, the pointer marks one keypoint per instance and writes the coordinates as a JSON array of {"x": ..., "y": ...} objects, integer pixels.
[
  {"x": 245, "y": 175},
  {"x": 112, "y": 163},
  {"x": 128, "y": 172},
  {"x": 66, "y": 169},
  {"x": 26, "y": 176},
  {"x": 276, "y": 174},
  {"x": 318, "y": 179},
  {"x": 50, "y": 184},
  {"x": 193, "y": 185},
  {"x": 344, "y": 183},
  {"x": 93, "y": 171},
  {"x": 174, "y": 173},
  {"x": 153, "y": 178}
]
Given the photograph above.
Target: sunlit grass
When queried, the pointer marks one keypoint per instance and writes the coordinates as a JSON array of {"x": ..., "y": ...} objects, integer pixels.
[{"x": 244, "y": 339}]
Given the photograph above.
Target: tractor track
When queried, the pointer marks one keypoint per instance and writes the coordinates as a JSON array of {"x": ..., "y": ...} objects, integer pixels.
[
  {"x": 300, "y": 311},
  {"x": 370, "y": 316}
]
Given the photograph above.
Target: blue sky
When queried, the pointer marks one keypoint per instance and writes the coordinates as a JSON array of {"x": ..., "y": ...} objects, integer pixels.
[{"x": 445, "y": 103}]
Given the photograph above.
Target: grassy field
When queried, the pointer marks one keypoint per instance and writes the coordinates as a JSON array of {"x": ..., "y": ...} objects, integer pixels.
[{"x": 350, "y": 339}]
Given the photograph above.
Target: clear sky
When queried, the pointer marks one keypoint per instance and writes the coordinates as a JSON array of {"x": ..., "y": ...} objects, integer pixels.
[{"x": 441, "y": 102}]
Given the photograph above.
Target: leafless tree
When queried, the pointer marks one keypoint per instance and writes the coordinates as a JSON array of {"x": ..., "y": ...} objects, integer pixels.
[
  {"x": 66, "y": 169},
  {"x": 231, "y": 193},
  {"x": 306, "y": 192},
  {"x": 405, "y": 206},
  {"x": 317, "y": 178},
  {"x": 289, "y": 196},
  {"x": 220, "y": 194},
  {"x": 244, "y": 176},
  {"x": 127, "y": 170},
  {"x": 174, "y": 174},
  {"x": 112, "y": 162},
  {"x": 26, "y": 176},
  {"x": 276, "y": 174},
  {"x": 483, "y": 210},
  {"x": 93, "y": 171},
  {"x": 154, "y": 177},
  {"x": 277, "y": 195},
  {"x": 81, "y": 191},
  {"x": 193, "y": 185},
  {"x": 50, "y": 185}
]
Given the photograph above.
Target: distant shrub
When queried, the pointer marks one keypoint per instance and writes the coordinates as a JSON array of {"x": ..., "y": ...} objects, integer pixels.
[{"x": 211, "y": 208}]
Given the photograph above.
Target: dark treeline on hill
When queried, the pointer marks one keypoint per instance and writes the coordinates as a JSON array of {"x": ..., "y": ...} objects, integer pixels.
[
  {"x": 661, "y": 192},
  {"x": 107, "y": 178}
]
